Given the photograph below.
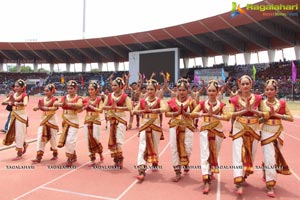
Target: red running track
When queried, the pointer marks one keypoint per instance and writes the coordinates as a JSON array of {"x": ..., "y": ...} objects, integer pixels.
[{"x": 47, "y": 181}]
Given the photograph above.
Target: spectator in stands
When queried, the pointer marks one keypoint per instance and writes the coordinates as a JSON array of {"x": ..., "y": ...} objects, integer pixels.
[
  {"x": 181, "y": 128},
  {"x": 92, "y": 123},
  {"x": 211, "y": 133},
  {"x": 48, "y": 128},
  {"x": 116, "y": 103},
  {"x": 272, "y": 136},
  {"x": 173, "y": 92},
  {"x": 246, "y": 133},
  {"x": 143, "y": 92},
  {"x": 70, "y": 104},
  {"x": 150, "y": 130},
  {"x": 9, "y": 109},
  {"x": 19, "y": 119},
  {"x": 256, "y": 91}
]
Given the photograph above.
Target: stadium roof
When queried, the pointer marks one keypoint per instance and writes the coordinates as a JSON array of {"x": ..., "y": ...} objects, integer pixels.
[{"x": 219, "y": 35}]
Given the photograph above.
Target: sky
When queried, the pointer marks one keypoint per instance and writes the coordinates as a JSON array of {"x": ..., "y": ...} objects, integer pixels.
[
  {"x": 50, "y": 20},
  {"x": 54, "y": 20}
]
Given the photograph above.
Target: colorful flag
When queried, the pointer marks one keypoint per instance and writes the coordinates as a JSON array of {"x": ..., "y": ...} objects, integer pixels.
[
  {"x": 196, "y": 78},
  {"x": 143, "y": 77},
  {"x": 102, "y": 83},
  {"x": 168, "y": 76},
  {"x": 62, "y": 79},
  {"x": 223, "y": 75},
  {"x": 253, "y": 72},
  {"x": 82, "y": 81},
  {"x": 294, "y": 72}
]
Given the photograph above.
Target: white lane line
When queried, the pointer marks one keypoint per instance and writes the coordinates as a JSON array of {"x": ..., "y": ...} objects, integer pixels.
[
  {"x": 63, "y": 175},
  {"x": 127, "y": 189},
  {"x": 218, "y": 196},
  {"x": 134, "y": 182},
  {"x": 297, "y": 177},
  {"x": 291, "y": 124},
  {"x": 77, "y": 193},
  {"x": 291, "y": 136}
]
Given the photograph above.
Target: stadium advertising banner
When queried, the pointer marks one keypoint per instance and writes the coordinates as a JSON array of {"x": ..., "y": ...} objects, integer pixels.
[{"x": 208, "y": 74}]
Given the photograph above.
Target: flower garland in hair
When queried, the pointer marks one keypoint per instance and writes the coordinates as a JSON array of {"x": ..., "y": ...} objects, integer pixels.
[
  {"x": 183, "y": 82},
  {"x": 120, "y": 82},
  {"x": 72, "y": 83},
  {"x": 95, "y": 85},
  {"x": 247, "y": 77},
  {"x": 51, "y": 87},
  {"x": 22, "y": 84},
  {"x": 152, "y": 82},
  {"x": 214, "y": 83},
  {"x": 272, "y": 82}
]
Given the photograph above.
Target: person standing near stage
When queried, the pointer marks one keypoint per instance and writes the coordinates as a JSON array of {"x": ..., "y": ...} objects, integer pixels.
[
  {"x": 233, "y": 91},
  {"x": 143, "y": 93},
  {"x": 181, "y": 127},
  {"x": 48, "y": 128},
  {"x": 195, "y": 94},
  {"x": 135, "y": 93},
  {"x": 150, "y": 130},
  {"x": 103, "y": 96},
  {"x": 9, "y": 109},
  {"x": 173, "y": 91},
  {"x": 71, "y": 104},
  {"x": 117, "y": 103},
  {"x": 160, "y": 92},
  {"x": 19, "y": 120},
  {"x": 211, "y": 132},
  {"x": 272, "y": 136},
  {"x": 92, "y": 122},
  {"x": 246, "y": 133}
]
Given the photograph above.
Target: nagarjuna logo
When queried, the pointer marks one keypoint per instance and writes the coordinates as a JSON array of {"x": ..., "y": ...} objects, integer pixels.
[{"x": 266, "y": 10}]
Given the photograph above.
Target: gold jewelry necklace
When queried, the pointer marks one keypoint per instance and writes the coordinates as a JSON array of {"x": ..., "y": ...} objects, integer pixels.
[
  {"x": 275, "y": 105},
  {"x": 116, "y": 99},
  {"x": 214, "y": 108},
  {"x": 71, "y": 99},
  {"x": 186, "y": 101},
  {"x": 151, "y": 102},
  {"x": 17, "y": 97},
  {"x": 47, "y": 101},
  {"x": 92, "y": 101},
  {"x": 243, "y": 102}
]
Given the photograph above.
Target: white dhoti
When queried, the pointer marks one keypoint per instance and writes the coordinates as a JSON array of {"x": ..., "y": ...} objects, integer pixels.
[
  {"x": 96, "y": 133},
  {"x": 120, "y": 133},
  {"x": 188, "y": 142},
  {"x": 238, "y": 167},
  {"x": 204, "y": 148},
  {"x": 142, "y": 145},
  {"x": 53, "y": 140},
  {"x": 274, "y": 162},
  {"x": 20, "y": 132},
  {"x": 269, "y": 158},
  {"x": 71, "y": 140}
]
